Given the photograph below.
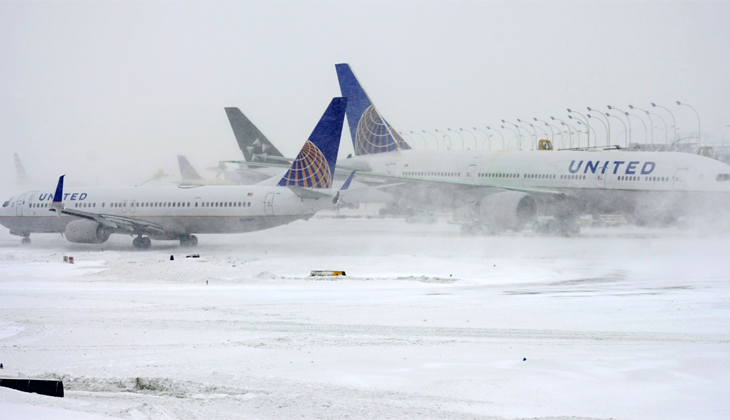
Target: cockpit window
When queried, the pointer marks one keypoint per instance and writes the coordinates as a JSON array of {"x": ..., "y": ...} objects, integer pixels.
[
  {"x": 7, "y": 203},
  {"x": 723, "y": 177}
]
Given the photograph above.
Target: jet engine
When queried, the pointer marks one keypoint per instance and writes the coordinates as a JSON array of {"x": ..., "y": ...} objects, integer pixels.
[
  {"x": 86, "y": 232},
  {"x": 508, "y": 210}
]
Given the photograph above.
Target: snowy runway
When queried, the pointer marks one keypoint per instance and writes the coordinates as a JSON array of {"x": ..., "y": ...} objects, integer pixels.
[{"x": 621, "y": 323}]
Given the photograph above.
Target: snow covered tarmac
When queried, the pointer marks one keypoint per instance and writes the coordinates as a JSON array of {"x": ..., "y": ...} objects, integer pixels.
[{"x": 619, "y": 323}]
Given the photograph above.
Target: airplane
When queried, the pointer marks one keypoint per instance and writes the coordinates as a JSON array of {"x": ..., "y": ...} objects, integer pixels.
[
  {"x": 507, "y": 189},
  {"x": 91, "y": 215}
]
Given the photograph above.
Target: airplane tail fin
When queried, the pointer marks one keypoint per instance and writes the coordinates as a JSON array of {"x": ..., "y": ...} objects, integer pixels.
[
  {"x": 252, "y": 142},
  {"x": 370, "y": 132},
  {"x": 187, "y": 171},
  {"x": 314, "y": 166},
  {"x": 57, "y": 204},
  {"x": 22, "y": 177}
]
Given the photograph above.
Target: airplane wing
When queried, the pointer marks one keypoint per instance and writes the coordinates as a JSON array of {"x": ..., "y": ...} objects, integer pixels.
[{"x": 128, "y": 224}]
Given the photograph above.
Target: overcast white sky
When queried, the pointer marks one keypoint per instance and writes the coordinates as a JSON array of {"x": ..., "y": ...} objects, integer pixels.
[{"x": 113, "y": 91}]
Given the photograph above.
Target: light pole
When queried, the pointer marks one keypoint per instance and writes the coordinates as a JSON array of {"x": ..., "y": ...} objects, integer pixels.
[
  {"x": 651, "y": 123},
  {"x": 485, "y": 138},
  {"x": 585, "y": 121},
  {"x": 473, "y": 135},
  {"x": 626, "y": 132},
  {"x": 425, "y": 145},
  {"x": 570, "y": 135},
  {"x": 646, "y": 134},
  {"x": 666, "y": 128},
  {"x": 627, "y": 118},
  {"x": 608, "y": 124},
  {"x": 462, "y": 137},
  {"x": 552, "y": 133},
  {"x": 500, "y": 135},
  {"x": 699, "y": 123},
  {"x": 445, "y": 136},
  {"x": 533, "y": 129},
  {"x": 434, "y": 137},
  {"x": 588, "y": 130},
  {"x": 605, "y": 127},
  {"x": 517, "y": 136},
  {"x": 519, "y": 133},
  {"x": 674, "y": 121}
]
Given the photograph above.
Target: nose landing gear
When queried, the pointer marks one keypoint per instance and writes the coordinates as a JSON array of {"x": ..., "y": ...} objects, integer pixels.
[{"x": 141, "y": 242}]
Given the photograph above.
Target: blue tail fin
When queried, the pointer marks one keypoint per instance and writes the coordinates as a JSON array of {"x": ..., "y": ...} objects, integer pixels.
[
  {"x": 314, "y": 166},
  {"x": 369, "y": 131},
  {"x": 187, "y": 171}
]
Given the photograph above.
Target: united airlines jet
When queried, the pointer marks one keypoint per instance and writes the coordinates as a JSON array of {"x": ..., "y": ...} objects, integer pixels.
[
  {"x": 91, "y": 215},
  {"x": 506, "y": 189}
]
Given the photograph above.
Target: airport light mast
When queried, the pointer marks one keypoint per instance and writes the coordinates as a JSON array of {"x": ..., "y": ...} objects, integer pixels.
[
  {"x": 626, "y": 132},
  {"x": 699, "y": 123},
  {"x": 519, "y": 133},
  {"x": 552, "y": 133},
  {"x": 651, "y": 123},
  {"x": 485, "y": 138},
  {"x": 627, "y": 118},
  {"x": 608, "y": 124},
  {"x": 674, "y": 121},
  {"x": 517, "y": 136},
  {"x": 533, "y": 129},
  {"x": 500, "y": 134},
  {"x": 605, "y": 127},
  {"x": 462, "y": 137},
  {"x": 585, "y": 121}
]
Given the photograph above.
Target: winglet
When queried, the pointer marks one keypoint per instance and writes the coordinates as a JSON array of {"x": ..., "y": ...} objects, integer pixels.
[
  {"x": 58, "y": 197},
  {"x": 314, "y": 166},
  {"x": 346, "y": 185},
  {"x": 370, "y": 132}
]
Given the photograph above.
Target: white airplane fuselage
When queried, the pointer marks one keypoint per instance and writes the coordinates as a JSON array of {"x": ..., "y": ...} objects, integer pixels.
[
  {"x": 180, "y": 211},
  {"x": 607, "y": 180}
]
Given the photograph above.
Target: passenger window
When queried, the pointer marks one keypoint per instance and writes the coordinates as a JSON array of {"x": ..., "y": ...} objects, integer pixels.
[{"x": 723, "y": 177}]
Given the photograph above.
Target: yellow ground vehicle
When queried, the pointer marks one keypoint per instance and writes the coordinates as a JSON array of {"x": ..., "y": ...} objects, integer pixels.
[{"x": 545, "y": 145}]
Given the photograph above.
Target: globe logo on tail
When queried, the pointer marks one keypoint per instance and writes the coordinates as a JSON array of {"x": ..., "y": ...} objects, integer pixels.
[
  {"x": 310, "y": 169},
  {"x": 375, "y": 135}
]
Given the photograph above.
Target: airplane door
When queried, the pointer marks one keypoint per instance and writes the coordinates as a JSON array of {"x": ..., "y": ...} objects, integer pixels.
[
  {"x": 391, "y": 168},
  {"x": 470, "y": 172},
  {"x": 124, "y": 206},
  {"x": 132, "y": 206},
  {"x": 19, "y": 205},
  {"x": 269, "y": 206},
  {"x": 680, "y": 179},
  {"x": 600, "y": 181}
]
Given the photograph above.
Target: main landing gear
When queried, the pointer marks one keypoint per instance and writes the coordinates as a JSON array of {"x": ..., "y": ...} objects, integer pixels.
[
  {"x": 188, "y": 241},
  {"x": 25, "y": 240},
  {"x": 141, "y": 242}
]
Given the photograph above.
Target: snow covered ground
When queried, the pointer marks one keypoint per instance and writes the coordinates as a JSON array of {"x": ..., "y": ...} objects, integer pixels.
[{"x": 618, "y": 323}]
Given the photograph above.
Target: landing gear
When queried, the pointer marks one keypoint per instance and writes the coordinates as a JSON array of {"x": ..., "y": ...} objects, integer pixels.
[
  {"x": 142, "y": 242},
  {"x": 188, "y": 241},
  {"x": 25, "y": 240}
]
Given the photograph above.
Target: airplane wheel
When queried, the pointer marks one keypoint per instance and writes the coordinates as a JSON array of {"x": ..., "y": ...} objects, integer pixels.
[
  {"x": 25, "y": 241},
  {"x": 137, "y": 243},
  {"x": 193, "y": 240},
  {"x": 145, "y": 243}
]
